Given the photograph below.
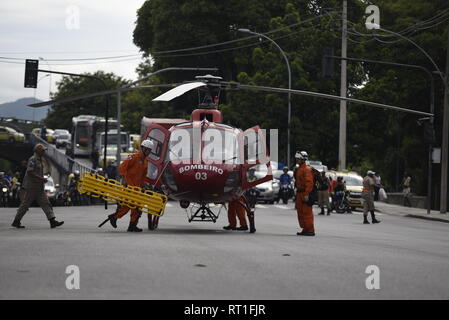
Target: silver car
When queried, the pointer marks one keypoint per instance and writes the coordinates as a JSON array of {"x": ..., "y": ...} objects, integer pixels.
[{"x": 62, "y": 137}]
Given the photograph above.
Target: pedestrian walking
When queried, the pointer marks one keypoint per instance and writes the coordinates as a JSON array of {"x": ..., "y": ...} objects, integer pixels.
[
  {"x": 377, "y": 186},
  {"x": 33, "y": 186},
  {"x": 304, "y": 185},
  {"x": 406, "y": 189},
  {"x": 368, "y": 197},
  {"x": 323, "y": 193}
]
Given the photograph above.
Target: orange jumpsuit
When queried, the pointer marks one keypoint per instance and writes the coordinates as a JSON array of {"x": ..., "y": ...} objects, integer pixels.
[
  {"x": 236, "y": 210},
  {"x": 134, "y": 171},
  {"x": 304, "y": 185}
]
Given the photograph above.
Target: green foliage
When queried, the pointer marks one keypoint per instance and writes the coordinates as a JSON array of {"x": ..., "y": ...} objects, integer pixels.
[{"x": 60, "y": 114}]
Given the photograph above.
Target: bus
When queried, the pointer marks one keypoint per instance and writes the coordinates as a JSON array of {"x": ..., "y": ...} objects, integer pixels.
[
  {"x": 84, "y": 133},
  {"x": 112, "y": 140}
]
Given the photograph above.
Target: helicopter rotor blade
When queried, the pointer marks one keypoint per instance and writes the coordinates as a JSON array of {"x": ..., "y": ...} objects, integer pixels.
[
  {"x": 180, "y": 90},
  {"x": 329, "y": 96},
  {"x": 96, "y": 94}
]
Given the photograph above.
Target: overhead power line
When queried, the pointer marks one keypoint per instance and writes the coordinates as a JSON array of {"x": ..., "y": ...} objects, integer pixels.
[{"x": 241, "y": 39}]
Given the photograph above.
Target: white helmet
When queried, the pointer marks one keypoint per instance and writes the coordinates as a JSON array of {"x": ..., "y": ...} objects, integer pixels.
[
  {"x": 370, "y": 172},
  {"x": 301, "y": 155},
  {"x": 147, "y": 144}
]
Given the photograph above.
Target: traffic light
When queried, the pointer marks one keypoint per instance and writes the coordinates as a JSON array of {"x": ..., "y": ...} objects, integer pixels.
[
  {"x": 327, "y": 63},
  {"x": 31, "y": 67}
]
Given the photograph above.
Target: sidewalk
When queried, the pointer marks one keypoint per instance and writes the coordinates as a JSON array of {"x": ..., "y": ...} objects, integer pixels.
[{"x": 398, "y": 210}]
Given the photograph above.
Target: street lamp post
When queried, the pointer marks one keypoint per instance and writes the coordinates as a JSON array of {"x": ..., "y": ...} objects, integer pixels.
[
  {"x": 289, "y": 86},
  {"x": 444, "y": 149},
  {"x": 48, "y": 74},
  {"x": 49, "y": 85}
]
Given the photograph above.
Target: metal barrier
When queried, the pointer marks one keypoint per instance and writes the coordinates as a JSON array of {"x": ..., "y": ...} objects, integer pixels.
[
  {"x": 147, "y": 201},
  {"x": 59, "y": 159}
]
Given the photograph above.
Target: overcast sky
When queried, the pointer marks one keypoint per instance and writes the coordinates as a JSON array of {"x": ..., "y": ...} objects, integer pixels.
[{"x": 63, "y": 29}]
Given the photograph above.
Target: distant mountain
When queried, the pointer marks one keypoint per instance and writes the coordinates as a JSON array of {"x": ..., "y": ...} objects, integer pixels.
[{"x": 19, "y": 110}]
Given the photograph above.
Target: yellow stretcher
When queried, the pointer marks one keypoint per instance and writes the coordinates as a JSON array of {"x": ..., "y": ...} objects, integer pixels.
[{"x": 133, "y": 197}]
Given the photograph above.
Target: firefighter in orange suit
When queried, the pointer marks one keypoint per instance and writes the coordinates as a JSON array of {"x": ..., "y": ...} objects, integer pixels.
[
  {"x": 236, "y": 210},
  {"x": 134, "y": 172},
  {"x": 304, "y": 185}
]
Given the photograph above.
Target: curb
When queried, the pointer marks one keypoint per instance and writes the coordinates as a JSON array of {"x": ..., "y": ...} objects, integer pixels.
[{"x": 426, "y": 218}]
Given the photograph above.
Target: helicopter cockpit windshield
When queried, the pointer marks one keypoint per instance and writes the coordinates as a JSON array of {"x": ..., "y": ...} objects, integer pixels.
[{"x": 219, "y": 146}]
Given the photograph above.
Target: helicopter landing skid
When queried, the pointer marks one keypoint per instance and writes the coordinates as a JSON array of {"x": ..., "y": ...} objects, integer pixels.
[{"x": 204, "y": 213}]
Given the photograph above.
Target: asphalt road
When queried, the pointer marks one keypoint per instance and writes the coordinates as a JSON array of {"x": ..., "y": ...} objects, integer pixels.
[{"x": 202, "y": 261}]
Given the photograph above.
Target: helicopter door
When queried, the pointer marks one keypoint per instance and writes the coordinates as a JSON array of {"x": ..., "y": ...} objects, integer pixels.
[
  {"x": 256, "y": 165},
  {"x": 159, "y": 135}
]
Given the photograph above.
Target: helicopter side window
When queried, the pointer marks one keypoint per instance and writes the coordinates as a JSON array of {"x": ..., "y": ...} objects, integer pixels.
[
  {"x": 180, "y": 146},
  {"x": 253, "y": 147},
  {"x": 157, "y": 136},
  {"x": 256, "y": 173}
]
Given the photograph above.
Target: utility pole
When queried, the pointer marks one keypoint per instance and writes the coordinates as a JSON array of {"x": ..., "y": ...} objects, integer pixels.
[
  {"x": 343, "y": 90},
  {"x": 444, "y": 146}
]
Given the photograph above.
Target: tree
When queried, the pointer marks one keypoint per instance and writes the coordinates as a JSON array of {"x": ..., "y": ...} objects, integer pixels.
[
  {"x": 394, "y": 141},
  {"x": 60, "y": 114}
]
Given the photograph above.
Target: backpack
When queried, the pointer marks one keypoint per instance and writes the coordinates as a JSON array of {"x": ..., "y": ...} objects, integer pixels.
[
  {"x": 313, "y": 195},
  {"x": 323, "y": 183}
]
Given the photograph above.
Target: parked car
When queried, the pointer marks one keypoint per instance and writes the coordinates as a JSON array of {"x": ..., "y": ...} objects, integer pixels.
[
  {"x": 317, "y": 165},
  {"x": 10, "y": 135},
  {"x": 268, "y": 191},
  {"x": 62, "y": 137}
]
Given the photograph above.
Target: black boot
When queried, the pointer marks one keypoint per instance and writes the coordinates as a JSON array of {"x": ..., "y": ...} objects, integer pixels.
[
  {"x": 322, "y": 211},
  {"x": 133, "y": 227},
  {"x": 150, "y": 222},
  {"x": 373, "y": 217},
  {"x": 113, "y": 220},
  {"x": 328, "y": 212},
  {"x": 54, "y": 223},
  {"x": 16, "y": 223},
  {"x": 229, "y": 228},
  {"x": 365, "y": 220}
]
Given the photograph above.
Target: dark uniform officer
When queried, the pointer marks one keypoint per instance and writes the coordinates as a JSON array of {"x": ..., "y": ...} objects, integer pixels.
[{"x": 33, "y": 186}]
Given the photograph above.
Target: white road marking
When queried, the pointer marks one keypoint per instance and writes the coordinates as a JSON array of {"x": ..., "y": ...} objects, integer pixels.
[{"x": 261, "y": 206}]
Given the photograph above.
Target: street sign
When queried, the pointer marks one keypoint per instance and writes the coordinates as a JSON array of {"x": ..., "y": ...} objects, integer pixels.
[
  {"x": 31, "y": 67},
  {"x": 436, "y": 155}
]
